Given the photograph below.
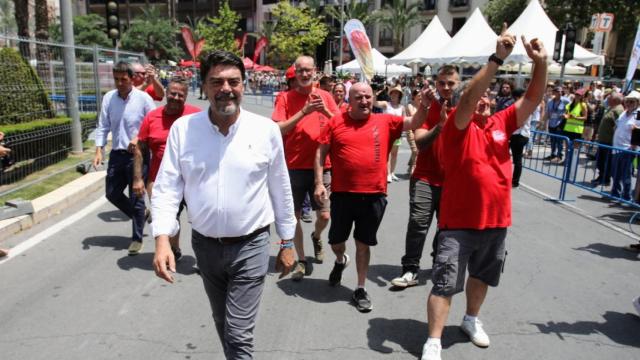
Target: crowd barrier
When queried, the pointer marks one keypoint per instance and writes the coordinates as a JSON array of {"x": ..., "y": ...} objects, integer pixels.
[{"x": 598, "y": 168}]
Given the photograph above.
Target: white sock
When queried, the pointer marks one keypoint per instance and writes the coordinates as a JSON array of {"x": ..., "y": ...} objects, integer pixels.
[
  {"x": 470, "y": 318},
  {"x": 433, "y": 341},
  {"x": 362, "y": 287}
]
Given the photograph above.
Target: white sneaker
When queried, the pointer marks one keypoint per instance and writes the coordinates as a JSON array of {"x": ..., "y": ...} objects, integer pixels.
[
  {"x": 407, "y": 279},
  {"x": 394, "y": 177},
  {"x": 389, "y": 179},
  {"x": 431, "y": 352},
  {"x": 476, "y": 332},
  {"x": 636, "y": 304}
]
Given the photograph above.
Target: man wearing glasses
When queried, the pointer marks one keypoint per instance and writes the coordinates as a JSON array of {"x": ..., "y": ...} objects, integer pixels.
[{"x": 302, "y": 113}]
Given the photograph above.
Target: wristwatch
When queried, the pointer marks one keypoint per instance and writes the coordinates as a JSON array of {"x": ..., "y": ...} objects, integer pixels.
[{"x": 496, "y": 59}]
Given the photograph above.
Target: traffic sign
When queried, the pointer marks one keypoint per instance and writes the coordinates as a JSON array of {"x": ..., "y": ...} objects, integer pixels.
[{"x": 601, "y": 22}]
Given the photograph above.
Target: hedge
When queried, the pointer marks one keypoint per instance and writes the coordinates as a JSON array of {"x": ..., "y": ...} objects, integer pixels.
[{"x": 24, "y": 95}]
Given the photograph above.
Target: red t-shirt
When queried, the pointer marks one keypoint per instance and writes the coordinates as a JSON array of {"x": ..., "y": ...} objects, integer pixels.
[
  {"x": 343, "y": 107},
  {"x": 359, "y": 150},
  {"x": 301, "y": 143},
  {"x": 476, "y": 192},
  {"x": 149, "y": 90},
  {"x": 428, "y": 166},
  {"x": 155, "y": 130}
]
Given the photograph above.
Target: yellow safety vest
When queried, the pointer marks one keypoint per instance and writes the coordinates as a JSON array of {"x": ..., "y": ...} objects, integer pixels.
[{"x": 574, "y": 125}]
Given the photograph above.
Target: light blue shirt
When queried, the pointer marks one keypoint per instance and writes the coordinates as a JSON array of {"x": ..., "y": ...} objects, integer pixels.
[
  {"x": 122, "y": 117},
  {"x": 556, "y": 109}
]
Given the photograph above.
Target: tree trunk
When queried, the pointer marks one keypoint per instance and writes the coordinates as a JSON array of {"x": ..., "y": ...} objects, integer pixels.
[
  {"x": 43, "y": 52},
  {"x": 22, "y": 21}
]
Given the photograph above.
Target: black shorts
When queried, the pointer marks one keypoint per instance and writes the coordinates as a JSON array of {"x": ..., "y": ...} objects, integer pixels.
[
  {"x": 303, "y": 183},
  {"x": 365, "y": 210}
]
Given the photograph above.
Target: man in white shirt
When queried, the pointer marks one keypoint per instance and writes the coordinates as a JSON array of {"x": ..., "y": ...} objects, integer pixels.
[
  {"x": 229, "y": 166},
  {"x": 122, "y": 112},
  {"x": 623, "y": 160}
]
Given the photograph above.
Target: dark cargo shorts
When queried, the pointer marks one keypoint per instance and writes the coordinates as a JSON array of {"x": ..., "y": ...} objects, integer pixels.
[
  {"x": 482, "y": 251},
  {"x": 303, "y": 184}
]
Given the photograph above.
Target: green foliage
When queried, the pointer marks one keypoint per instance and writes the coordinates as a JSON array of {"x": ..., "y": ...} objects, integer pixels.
[
  {"x": 398, "y": 17},
  {"x": 14, "y": 129},
  {"x": 88, "y": 30},
  {"x": 220, "y": 32},
  {"x": 296, "y": 33},
  {"x": 354, "y": 9},
  {"x": 7, "y": 17},
  {"x": 24, "y": 95},
  {"x": 501, "y": 11},
  {"x": 152, "y": 31},
  {"x": 627, "y": 13}
]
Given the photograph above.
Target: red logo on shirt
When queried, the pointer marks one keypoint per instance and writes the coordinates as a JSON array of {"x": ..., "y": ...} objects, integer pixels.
[{"x": 376, "y": 144}]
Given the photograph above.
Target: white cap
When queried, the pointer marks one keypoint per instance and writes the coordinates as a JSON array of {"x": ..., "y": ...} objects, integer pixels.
[{"x": 633, "y": 95}]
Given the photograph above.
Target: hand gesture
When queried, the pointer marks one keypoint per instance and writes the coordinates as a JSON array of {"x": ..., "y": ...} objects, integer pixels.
[
  {"x": 443, "y": 113},
  {"x": 483, "y": 107},
  {"x": 314, "y": 103},
  {"x": 427, "y": 95},
  {"x": 505, "y": 43},
  {"x": 535, "y": 50},
  {"x": 151, "y": 72},
  {"x": 284, "y": 262}
]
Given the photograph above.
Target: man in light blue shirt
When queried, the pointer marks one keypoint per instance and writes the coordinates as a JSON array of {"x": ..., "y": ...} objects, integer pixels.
[
  {"x": 122, "y": 112},
  {"x": 554, "y": 115}
]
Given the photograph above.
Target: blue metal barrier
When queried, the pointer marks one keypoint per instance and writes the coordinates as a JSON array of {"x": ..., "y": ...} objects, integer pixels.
[{"x": 587, "y": 165}]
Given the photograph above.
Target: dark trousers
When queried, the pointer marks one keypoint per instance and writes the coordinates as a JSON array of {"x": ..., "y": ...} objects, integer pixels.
[
  {"x": 603, "y": 162},
  {"x": 424, "y": 202},
  {"x": 622, "y": 167},
  {"x": 517, "y": 143},
  {"x": 233, "y": 277},
  {"x": 119, "y": 177},
  {"x": 556, "y": 143}
]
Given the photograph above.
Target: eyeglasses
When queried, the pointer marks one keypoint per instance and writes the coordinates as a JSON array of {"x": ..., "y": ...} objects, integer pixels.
[{"x": 302, "y": 71}]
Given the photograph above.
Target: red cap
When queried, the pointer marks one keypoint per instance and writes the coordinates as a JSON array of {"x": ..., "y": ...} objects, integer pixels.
[{"x": 290, "y": 73}]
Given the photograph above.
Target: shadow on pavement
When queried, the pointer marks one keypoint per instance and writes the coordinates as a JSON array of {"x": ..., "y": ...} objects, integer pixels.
[
  {"x": 609, "y": 251},
  {"x": 382, "y": 274},
  {"x": 317, "y": 290},
  {"x": 410, "y": 334},
  {"x": 144, "y": 261},
  {"x": 113, "y": 216},
  {"x": 118, "y": 243},
  {"x": 618, "y": 327}
]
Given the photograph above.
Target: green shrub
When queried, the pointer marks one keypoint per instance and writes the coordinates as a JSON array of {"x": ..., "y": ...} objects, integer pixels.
[{"x": 24, "y": 95}]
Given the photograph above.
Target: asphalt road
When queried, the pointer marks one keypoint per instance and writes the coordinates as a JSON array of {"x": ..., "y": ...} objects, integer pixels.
[{"x": 566, "y": 294}]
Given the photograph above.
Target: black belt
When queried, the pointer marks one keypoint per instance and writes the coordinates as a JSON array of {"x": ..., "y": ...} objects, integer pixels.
[
  {"x": 120, "y": 151},
  {"x": 237, "y": 239}
]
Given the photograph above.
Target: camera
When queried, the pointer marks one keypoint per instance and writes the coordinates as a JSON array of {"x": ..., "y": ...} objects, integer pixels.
[{"x": 377, "y": 82}]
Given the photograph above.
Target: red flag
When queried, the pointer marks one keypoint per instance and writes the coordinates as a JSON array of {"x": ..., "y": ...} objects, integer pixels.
[
  {"x": 260, "y": 45},
  {"x": 198, "y": 48},
  {"x": 188, "y": 41}
]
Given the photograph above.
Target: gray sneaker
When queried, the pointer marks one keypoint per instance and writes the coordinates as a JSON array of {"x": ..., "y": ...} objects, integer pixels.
[
  {"x": 300, "y": 271},
  {"x": 362, "y": 300},
  {"x": 407, "y": 279}
]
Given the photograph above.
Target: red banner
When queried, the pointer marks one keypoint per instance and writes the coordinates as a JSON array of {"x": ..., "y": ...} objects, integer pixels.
[
  {"x": 260, "y": 45},
  {"x": 198, "y": 48},
  {"x": 188, "y": 41}
]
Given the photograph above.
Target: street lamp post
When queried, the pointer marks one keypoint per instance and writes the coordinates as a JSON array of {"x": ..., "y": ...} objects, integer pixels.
[{"x": 341, "y": 31}]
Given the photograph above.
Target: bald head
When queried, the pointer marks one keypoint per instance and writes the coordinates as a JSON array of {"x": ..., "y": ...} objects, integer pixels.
[
  {"x": 361, "y": 101},
  {"x": 305, "y": 71}
]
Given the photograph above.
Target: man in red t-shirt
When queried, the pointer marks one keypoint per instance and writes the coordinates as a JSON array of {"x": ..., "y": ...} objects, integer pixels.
[
  {"x": 301, "y": 113},
  {"x": 153, "y": 136},
  {"x": 475, "y": 208},
  {"x": 358, "y": 143},
  {"x": 146, "y": 79},
  {"x": 426, "y": 180}
]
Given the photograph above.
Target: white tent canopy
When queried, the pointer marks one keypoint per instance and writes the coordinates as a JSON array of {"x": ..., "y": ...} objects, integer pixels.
[
  {"x": 534, "y": 23},
  {"x": 553, "y": 69},
  {"x": 469, "y": 44},
  {"x": 379, "y": 66},
  {"x": 425, "y": 47}
]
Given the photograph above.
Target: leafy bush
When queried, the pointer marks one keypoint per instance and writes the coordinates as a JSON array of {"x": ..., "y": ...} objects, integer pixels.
[{"x": 25, "y": 98}]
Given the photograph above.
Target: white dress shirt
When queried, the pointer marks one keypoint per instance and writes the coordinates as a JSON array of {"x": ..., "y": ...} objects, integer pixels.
[
  {"x": 233, "y": 185},
  {"x": 624, "y": 125},
  {"x": 122, "y": 117}
]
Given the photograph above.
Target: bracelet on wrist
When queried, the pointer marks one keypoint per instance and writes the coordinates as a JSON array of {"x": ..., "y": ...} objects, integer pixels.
[
  {"x": 496, "y": 59},
  {"x": 288, "y": 244}
]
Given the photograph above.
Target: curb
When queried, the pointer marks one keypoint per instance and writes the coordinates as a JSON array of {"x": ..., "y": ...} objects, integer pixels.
[{"x": 53, "y": 203}]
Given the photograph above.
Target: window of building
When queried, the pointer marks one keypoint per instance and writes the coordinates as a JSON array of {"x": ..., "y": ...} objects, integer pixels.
[
  {"x": 458, "y": 3},
  {"x": 386, "y": 37},
  {"x": 457, "y": 24},
  {"x": 429, "y": 5}
]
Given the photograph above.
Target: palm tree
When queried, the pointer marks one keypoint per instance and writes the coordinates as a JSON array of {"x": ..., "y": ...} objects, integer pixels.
[
  {"x": 354, "y": 9},
  {"x": 398, "y": 17},
  {"x": 22, "y": 21}
]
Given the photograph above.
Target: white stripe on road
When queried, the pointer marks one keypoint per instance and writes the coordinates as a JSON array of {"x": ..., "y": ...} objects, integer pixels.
[{"x": 38, "y": 238}]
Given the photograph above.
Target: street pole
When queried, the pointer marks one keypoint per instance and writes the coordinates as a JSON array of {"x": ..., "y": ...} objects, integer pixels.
[
  {"x": 341, "y": 30},
  {"x": 71, "y": 88}
]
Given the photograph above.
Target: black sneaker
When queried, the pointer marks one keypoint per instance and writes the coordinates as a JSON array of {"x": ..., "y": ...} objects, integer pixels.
[
  {"x": 362, "y": 300},
  {"x": 336, "y": 274},
  {"x": 177, "y": 253}
]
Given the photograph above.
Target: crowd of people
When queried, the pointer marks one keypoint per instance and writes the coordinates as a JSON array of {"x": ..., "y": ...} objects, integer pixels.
[{"x": 331, "y": 146}]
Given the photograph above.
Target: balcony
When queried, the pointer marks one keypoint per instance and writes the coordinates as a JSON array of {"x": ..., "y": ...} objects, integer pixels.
[{"x": 429, "y": 7}]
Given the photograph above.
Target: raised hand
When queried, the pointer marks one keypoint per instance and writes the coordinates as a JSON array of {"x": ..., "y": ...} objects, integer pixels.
[
  {"x": 505, "y": 43},
  {"x": 535, "y": 49},
  {"x": 427, "y": 94}
]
